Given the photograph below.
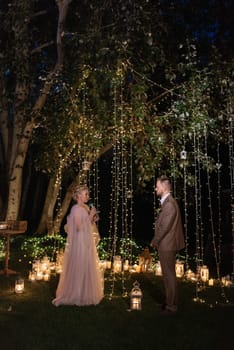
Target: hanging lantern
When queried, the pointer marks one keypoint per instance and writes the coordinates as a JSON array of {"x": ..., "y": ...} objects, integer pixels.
[
  {"x": 204, "y": 273},
  {"x": 179, "y": 269},
  {"x": 135, "y": 297},
  {"x": 129, "y": 194},
  {"x": 19, "y": 286},
  {"x": 183, "y": 154},
  {"x": 86, "y": 165}
]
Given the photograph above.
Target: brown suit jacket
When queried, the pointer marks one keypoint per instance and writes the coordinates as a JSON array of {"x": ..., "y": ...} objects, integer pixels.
[{"x": 168, "y": 227}]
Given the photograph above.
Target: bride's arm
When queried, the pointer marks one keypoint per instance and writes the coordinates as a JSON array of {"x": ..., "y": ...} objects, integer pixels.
[{"x": 94, "y": 217}]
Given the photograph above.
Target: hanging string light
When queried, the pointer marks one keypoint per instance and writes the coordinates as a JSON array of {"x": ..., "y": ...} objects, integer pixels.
[
  {"x": 219, "y": 235},
  {"x": 198, "y": 209},
  {"x": 210, "y": 202},
  {"x": 130, "y": 201},
  {"x": 96, "y": 181},
  {"x": 231, "y": 168},
  {"x": 173, "y": 163},
  {"x": 183, "y": 160},
  {"x": 215, "y": 250},
  {"x": 114, "y": 196},
  {"x": 121, "y": 212},
  {"x": 196, "y": 177},
  {"x": 85, "y": 162},
  {"x": 123, "y": 186}
]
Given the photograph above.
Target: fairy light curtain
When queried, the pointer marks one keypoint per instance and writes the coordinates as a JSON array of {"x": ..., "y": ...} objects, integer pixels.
[
  {"x": 231, "y": 166},
  {"x": 121, "y": 211}
]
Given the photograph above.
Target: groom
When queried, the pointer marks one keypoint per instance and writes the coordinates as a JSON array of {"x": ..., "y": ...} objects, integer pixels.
[{"x": 168, "y": 240}]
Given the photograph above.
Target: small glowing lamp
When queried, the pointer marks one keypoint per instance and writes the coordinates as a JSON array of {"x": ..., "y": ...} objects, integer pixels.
[
  {"x": 158, "y": 269},
  {"x": 19, "y": 286},
  {"x": 86, "y": 165},
  {"x": 179, "y": 269},
  {"x": 117, "y": 265},
  {"x": 136, "y": 296},
  {"x": 204, "y": 273},
  {"x": 183, "y": 154}
]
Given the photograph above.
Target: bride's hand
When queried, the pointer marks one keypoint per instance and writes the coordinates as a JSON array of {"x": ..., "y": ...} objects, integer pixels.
[{"x": 93, "y": 214}]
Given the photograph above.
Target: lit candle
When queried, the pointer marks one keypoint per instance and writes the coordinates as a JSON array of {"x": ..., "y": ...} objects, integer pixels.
[
  {"x": 108, "y": 264},
  {"x": 204, "y": 273},
  {"x": 136, "y": 304},
  {"x": 126, "y": 265},
  {"x": 158, "y": 270},
  {"x": 46, "y": 276},
  {"x": 117, "y": 264},
  {"x": 19, "y": 286},
  {"x": 39, "y": 275},
  {"x": 32, "y": 276},
  {"x": 104, "y": 263},
  {"x": 211, "y": 282},
  {"x": 138, "y": 268},
  {"x": 179, "y": 269}
]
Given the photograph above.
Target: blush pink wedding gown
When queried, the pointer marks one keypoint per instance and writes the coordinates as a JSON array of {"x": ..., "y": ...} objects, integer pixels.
[{"x": 81, "y": 280}]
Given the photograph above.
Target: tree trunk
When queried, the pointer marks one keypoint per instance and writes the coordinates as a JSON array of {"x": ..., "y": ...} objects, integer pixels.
[
  {"x": 19, "y": 155},
  {"x": 15, "y": 183},
  {"x": 64, "y": 208},
  {"x": 44, "y": 224}
]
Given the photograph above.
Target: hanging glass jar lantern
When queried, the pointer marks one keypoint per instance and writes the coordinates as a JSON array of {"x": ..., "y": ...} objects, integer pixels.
[
  {"x": 86, "y": 165},
  {"x": 135, "y": 297},
  {"x": 183, "y": 154}
]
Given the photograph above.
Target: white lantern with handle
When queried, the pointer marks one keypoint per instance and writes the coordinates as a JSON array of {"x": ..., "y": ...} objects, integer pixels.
[{"x": 136, "y": 296}]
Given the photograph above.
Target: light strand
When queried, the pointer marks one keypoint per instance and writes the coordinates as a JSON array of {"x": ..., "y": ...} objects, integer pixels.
[{"x": 231, "y": 170}]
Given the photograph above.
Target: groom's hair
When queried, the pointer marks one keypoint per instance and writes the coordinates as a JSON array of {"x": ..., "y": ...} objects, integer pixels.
[{"x": 165, "y": 180}]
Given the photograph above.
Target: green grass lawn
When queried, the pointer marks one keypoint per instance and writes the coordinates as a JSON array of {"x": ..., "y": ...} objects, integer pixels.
[{"x": 30, "y": 321}]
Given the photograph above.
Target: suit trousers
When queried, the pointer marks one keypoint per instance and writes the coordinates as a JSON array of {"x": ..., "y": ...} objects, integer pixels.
[{"x": 167, "y": 261}]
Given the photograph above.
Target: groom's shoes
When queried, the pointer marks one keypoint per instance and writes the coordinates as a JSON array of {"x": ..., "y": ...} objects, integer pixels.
[{"x": 165, "y": 311}]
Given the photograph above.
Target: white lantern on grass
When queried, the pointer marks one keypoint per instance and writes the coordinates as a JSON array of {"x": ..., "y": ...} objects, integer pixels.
[
  {"x": 19, "y": 286},
  {"x": 136, "y": 297}
]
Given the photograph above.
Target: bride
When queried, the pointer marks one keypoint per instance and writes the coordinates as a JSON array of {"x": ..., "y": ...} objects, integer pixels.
[{"x": 80, "y": 282}]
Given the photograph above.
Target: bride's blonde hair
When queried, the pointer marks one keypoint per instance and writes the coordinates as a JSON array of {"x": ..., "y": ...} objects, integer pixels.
[{"x": 78, "y": 190}]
